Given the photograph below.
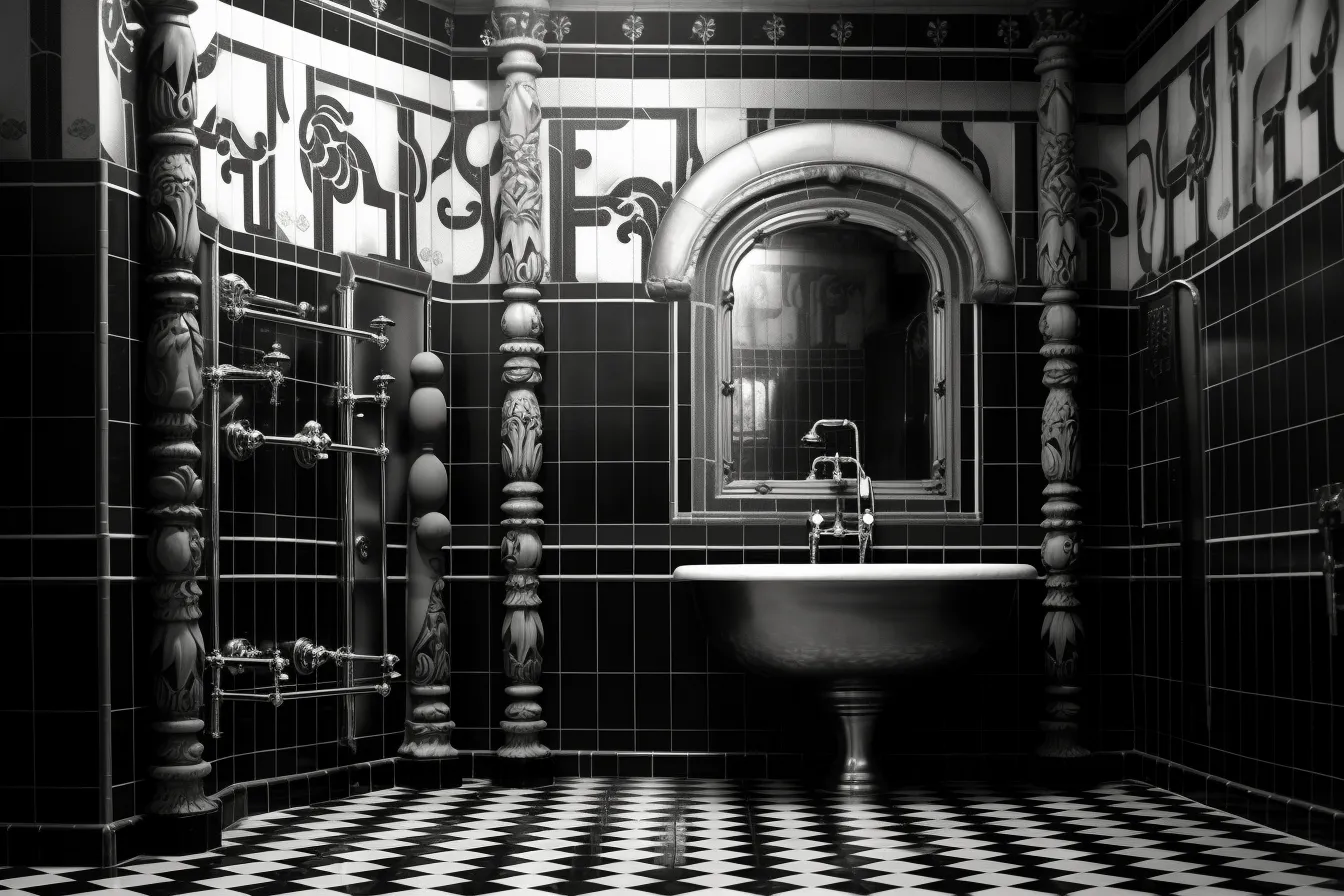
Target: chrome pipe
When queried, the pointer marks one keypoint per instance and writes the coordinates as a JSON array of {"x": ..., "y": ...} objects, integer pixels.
[
  {"x": 378, "y": 339},
  {"x": 347, "y": 373},
  {"x": 226, "y": 660},
  {"x": 381, "y": 689},
  {"x": 212, "y": 433},
  {"x": 382, "y": 501},
  {"x": 103, "y": 524},
  {"x": 301, "y": 309},
  {"x": 237, "y": 295},
  {"x": 212, "y": 453},
  {"x": 380, "y": 452}
]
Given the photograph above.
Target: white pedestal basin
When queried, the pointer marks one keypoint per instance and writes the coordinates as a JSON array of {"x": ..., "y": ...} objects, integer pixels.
[{"x": 850, "y": 626}]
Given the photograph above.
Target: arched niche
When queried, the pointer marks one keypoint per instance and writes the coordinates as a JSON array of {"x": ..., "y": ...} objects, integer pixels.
[
  {"x": 855, "y": 175},
  {"x": 920, "y": 188}
]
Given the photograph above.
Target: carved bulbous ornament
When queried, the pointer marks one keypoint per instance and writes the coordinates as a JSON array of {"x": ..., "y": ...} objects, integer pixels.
[
  {"x": 521, "y": 258},
  {"x": 1059, "y": 437},
  {"x": 171, "y": 63},
  {"x": 174, "y": 234},
  {"x": 523, "y": 638},
  {"x": 521, "y": 370},
  {"x": 520, "y": 432},
  {"x": 1060, "y": 550},
  {"x": 428, "y": 730},
  {"x": 521, "y": 550},
  {"x": 522, "y": 320},
  {"x": 175, "y": 550},
  {"x": 174, "y": 351},
  {"x": 1061, "y": 635}
]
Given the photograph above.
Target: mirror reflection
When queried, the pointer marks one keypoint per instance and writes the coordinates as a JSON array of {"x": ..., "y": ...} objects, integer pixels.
[{"x": 830, "y": 320}]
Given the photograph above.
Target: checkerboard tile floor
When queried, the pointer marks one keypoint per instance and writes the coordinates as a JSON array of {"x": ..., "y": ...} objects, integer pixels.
[{"x": 669, "y": 837}]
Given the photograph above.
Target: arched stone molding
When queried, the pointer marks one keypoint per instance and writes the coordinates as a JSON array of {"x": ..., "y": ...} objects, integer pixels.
[{"x": 918, "y": 179}]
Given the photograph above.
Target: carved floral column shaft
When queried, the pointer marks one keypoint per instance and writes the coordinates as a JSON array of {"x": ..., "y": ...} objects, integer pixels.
[
  {"x": 1059, "y": 29},
  {"x": 173, "y": 356},
  {"x": 429, "y": 729},
  {"x": 520, "y": 26}
]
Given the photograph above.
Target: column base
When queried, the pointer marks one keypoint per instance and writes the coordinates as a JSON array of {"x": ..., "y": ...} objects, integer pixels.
[
  {"x": 428, "y": 774},
  {"x": 180, "y": 835},
  {"x": 537, "y": 772}
]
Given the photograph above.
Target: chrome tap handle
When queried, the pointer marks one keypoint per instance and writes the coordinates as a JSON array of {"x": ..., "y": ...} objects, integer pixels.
[
  {"x": 277, "y": 675},
  {"x": 274, "y": 362},
  {"x": 385, "y": 687},
  {"x": 381, "y": 382},
  {"x": 816, "y": 519},
  {"x": 379, "y": 325}
]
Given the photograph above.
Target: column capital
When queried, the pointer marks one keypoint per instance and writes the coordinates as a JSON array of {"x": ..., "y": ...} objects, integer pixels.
[
  {"x": 1059, "y": 28},
  {"x": 520, "y": 25}
]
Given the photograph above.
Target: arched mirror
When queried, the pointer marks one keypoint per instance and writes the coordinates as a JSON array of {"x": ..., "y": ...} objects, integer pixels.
[
  {"x": 828, "y": 277},
  {"x": 830, "y": 321}
]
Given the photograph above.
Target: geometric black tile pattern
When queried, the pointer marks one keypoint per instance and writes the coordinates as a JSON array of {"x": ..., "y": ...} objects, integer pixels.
[{"x": 668, "y": 836}]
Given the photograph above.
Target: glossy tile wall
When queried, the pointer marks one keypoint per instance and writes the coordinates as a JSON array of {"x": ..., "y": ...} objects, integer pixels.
[
  {"x": 628, "y": 667},
  {"x": 1237, "y": 676},
  {"x": 51, "y": 190},
  {"x": 47, "y": 542},
  {"x": 280, "y": 532},
  {"x": 636, "y": 102}
]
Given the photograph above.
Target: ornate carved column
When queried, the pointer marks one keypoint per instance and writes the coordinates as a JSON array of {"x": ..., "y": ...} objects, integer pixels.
[
  {"x": 429, "y": 729},
  {"x": 520, "y": 26},
  {"x": 1059, "y": 27},
  {"x": 173, "y": 355}
]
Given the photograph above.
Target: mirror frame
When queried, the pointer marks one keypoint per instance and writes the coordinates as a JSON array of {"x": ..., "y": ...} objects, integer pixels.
[{"x": 710, "y": 382}]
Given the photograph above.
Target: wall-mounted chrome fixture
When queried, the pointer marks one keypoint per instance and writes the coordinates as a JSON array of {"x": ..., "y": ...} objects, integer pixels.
[
  {"x": 236, "y": 656},
  {"x": 1330, "y": 508},
  {"x": 235, "y": 296},
  {"x": 236, "y": 299},
  {"x": 307, "y": 657},
  {"x": 865, "y": 518},
  {"x": 310, "y": 445},
  {"x": 270, "y": 370}
]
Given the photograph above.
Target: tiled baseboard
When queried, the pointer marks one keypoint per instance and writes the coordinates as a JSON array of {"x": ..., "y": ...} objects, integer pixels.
[
  {"x": 107, "y": 845},
  {"x": 1319, "y": 824}
]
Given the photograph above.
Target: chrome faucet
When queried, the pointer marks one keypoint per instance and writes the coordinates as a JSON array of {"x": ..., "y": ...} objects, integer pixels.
[
  {"x": 865, "y": 517},
  {"x": 270, "y": 370}
]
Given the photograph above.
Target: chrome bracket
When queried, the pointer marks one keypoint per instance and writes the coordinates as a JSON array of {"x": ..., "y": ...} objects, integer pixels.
[
  {"x": 241, "y": 440},
  {"x": 308, "y": 455}
]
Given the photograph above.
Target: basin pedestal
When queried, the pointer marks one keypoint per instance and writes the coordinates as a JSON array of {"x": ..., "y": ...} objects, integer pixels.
[{"x": 858, "y": 703}]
